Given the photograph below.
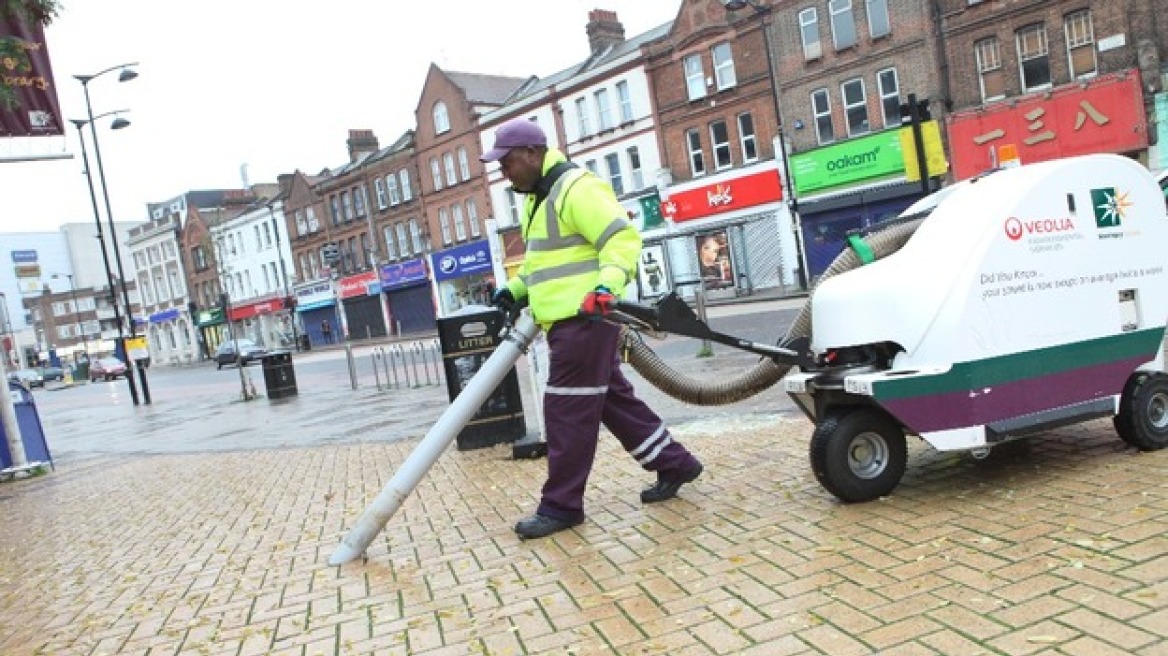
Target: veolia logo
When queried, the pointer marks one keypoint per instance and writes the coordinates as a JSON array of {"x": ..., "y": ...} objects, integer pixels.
[
  {"x": 858, "y": 159},
  {"x": 448, "y": 264},
  {"x": 1013, "y": 228}
]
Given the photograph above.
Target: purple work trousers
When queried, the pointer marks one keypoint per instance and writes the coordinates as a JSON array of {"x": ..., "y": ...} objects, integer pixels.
[{"x": 585, "y": 388}]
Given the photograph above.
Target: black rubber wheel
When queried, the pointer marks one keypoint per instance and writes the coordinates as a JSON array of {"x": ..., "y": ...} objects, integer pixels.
[
  {"x": 1143, "y": 411},
  {"x": 858, "y": 454}
]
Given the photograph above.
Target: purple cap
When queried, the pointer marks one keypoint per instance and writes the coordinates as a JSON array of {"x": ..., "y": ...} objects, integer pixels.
[{"x": 516, "y": 133}]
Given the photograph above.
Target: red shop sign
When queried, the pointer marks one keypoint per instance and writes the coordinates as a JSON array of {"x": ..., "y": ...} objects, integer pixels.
[
  {"x": 358, "y": 285},
  {"x": 735, "y": 194},
  {"x": 240, "y": 312},
  {"x": 1106, "y": 115}
]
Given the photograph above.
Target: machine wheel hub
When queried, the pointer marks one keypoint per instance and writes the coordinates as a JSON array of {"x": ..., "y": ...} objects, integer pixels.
[{"x": 868, "y": 455}]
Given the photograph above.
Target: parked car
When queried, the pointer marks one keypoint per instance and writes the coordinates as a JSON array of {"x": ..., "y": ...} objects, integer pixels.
[
  {"x": 106, "y": 369},
  {"x": 30, "y": 378},
  {"x": 248, "y": 352},
  {"x": 51, "y": 373}
]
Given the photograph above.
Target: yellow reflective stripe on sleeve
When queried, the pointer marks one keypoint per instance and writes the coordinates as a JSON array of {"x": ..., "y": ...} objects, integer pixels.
[
  {"x": 561, "y": 271},
  {"x": 616, "y": 226}
]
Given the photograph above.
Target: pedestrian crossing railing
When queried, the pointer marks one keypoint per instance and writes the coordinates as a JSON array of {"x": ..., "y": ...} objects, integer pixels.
[{"x": 407, "y": 364}]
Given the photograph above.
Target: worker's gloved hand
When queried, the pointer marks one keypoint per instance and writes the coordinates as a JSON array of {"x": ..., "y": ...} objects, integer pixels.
[
  {"x": 504, "y": 300},
  {"x": 598, "y": 302}
]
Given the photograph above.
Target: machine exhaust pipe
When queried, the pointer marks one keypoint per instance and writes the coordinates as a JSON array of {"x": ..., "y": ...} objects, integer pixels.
[{"x": 437, "y": 439}]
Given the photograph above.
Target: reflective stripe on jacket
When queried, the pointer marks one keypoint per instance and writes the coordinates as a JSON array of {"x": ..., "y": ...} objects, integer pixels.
[{"x": 576, "y": 239}]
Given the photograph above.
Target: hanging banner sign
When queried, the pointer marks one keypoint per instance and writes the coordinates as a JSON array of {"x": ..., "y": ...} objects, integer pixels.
[{"x": 37, "y": 112}]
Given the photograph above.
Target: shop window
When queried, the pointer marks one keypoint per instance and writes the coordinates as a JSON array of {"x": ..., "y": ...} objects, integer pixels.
[
  {"x": 1081, "y": 43},
  {"x": 1033, "y": 57}
]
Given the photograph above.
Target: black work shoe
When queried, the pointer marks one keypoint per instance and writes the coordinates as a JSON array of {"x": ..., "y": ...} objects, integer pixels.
[
  {"x": 665, "y": 489},
  {"x": 541, "y": 526}
]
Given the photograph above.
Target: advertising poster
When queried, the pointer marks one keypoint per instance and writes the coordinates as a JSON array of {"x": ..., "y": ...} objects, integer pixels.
[
  {"x": 714, "y": 263},
  {"x": 651, "y": 272},
  {"x": 37, "y": 112}
]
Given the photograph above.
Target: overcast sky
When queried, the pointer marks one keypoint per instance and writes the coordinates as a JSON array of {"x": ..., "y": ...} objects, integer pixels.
[{"x": 272, "y": 84}]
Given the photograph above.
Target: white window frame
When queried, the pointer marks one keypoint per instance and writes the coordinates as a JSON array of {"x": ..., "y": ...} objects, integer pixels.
[
  {"x": 390, "y": 249},
  {"x": 451, "y": 173},
  {"x": 747, "y": 139},
  {"x": 842, "y": 20},
  {"x": 472, "y": 218},
  {"x": 693, "y": 145},
  {"x": 603, "y": 110},
  {"x": 819, "y": 116},
  {"x": 463, "y": 164},
  {"x": 615, "y": 175},
  {"x": 379, "y": 191},
  {"x": 436, "y": 171},
  {"x": 441, "y": 118},
  {"x": 1020, "y": 35},
  {"x": 313, "y": 222},
  {"x": 403, "y": 177},
  {"x": 889, "y": 97},
  {"x": 809, "y": 34},
  {"x": 879, "y": 21},
  {"x": 512, "y": 205},
  {"x": 1079, "y": 28},
  {"x": 459, "y": 222},
  {"x": 582, "y": 121},
  {"x": 625, "y": 100},
  {"x": 391, "y": 188},
  {"x": 988, "y": 55},
  {"x": 861, "y": 106},
  {"x": 416, "y": 237},
  {"x": 723, "y": 146},
  {"x": 403, "y": 242},
  {"x": 444, "y": 224},
  {"x": 695, "y": 77},
  {"x": 636, "y": 174},
  {"x": 725, "y": 76}
]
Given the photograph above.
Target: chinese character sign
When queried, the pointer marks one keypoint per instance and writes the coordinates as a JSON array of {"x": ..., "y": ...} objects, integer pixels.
[{"x": 1105, "y": 115}]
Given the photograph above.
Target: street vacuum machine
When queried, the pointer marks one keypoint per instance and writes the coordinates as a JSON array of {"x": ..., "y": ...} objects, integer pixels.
[{"x": 1022, "y": 300}]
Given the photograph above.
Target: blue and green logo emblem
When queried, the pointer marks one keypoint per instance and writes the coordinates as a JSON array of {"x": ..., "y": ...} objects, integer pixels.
[{"x": 1110, "y": 207}]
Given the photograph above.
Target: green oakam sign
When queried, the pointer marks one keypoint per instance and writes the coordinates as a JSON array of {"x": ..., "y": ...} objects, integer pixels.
[{"x": 855, "y": 160}]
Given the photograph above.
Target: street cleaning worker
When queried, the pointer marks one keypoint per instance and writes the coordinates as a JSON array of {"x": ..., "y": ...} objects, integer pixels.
[{"x": 581, "y": 251}]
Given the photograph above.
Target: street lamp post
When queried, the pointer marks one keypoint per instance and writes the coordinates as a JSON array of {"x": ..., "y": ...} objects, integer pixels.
[
  {"x": 761, "y": 10},
  {"x": 126, "y": 75},
  {"x": 109, "y": 277},
  {"x": 76, "y": 312}
]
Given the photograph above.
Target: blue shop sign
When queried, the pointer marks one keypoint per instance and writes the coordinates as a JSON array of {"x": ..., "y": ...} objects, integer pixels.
[
  {"x": 401, "y": 274},
  {"x": 24, "y": 256},
  {"x": 164, "y": 316},
  {"x": 462, "y": 261}
]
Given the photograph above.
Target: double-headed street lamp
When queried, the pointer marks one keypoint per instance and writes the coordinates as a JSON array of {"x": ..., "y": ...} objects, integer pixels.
[
  {"x": 126, "y": 74},
  {"x": 761, "y": 10}
]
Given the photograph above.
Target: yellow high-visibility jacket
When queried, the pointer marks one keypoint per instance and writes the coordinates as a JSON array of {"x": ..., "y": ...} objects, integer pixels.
[{"x": 577, "y": 238}]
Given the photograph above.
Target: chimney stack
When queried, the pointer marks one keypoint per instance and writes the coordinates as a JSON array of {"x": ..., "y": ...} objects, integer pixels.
[
  {"x": 604, "y": 30},
  {"x": 361, "y": 142}
]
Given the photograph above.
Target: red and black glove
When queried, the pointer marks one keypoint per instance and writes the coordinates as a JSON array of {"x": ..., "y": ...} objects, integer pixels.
[{"x": 598, "y": 302}]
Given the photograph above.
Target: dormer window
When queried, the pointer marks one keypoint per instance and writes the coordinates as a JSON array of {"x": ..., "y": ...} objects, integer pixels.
[{"x": 441, "y": 118}]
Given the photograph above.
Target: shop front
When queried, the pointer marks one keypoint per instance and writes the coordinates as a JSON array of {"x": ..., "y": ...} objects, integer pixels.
[
  {"x": 208, "y": 331},
  {"x": 1101, "y": 115},
  {"x": 407, "y": 293},
  {"x": 852, "y": 186},
  {"x": 361, "y": 301},
  {"x": 462, "y": 276},
  {"x": 316, "y": 309},
  {"x": 169, "y": 332},
  {"x": 266, "y": 322},
  {"x": 732, "y": 234}
]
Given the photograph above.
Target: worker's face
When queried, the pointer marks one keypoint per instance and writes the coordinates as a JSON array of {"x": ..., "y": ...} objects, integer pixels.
[{"x": 522, "y": 167}]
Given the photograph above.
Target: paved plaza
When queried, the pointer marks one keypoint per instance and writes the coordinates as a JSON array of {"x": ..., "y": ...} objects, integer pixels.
[{"x": 1061, "y": 548}]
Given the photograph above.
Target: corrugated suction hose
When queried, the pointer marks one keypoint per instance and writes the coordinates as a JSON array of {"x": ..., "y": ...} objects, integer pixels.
[{"x": 767, "y": 372}]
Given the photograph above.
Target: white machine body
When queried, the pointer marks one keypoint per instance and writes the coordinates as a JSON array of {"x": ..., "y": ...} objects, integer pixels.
[{"x": 1026, "y": 296}]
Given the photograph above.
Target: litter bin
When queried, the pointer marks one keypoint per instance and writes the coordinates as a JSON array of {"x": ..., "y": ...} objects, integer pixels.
[
  {"x": 279, "y": 376},
  {"x": 467, "y": 340},
  {"x": 32, "y": 434},
  {"x": 305, "y": 342}
]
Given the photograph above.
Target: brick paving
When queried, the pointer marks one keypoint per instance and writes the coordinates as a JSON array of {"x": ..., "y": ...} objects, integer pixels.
[{"x": 1059, "y": 549}]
